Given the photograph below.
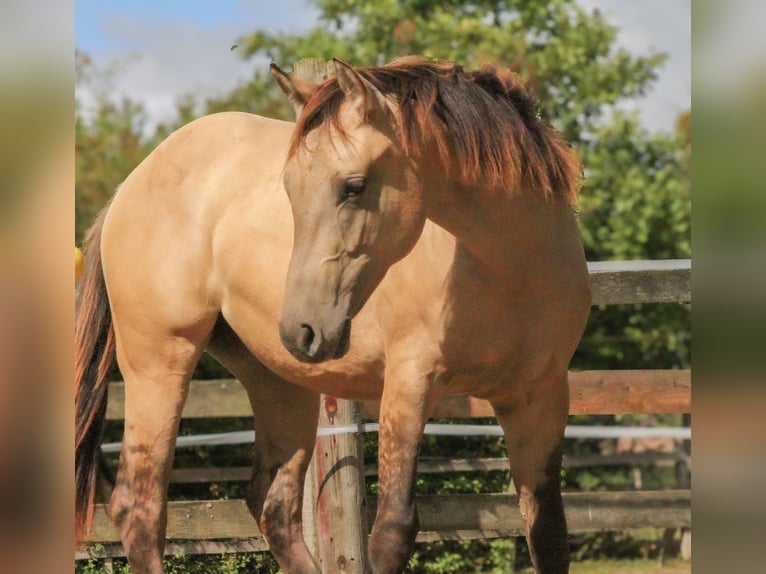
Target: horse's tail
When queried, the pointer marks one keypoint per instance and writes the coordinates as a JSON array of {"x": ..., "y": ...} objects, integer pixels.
[{"x": 94, "y": 358}]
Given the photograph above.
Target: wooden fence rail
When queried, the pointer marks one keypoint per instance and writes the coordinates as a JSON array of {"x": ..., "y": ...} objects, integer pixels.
[
  {"x": 443, "y": 517},
  {"x": 591, "y": 392},
  {"x": 226, "y": 525}
]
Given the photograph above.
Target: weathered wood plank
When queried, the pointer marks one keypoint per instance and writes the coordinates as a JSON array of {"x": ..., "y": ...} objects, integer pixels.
[
  {"x": 191, "y": 520},
  {"x": 585, "y": 511},
  {"x": 630, "y": 391},
  {"x": 590, "y": 511},
  {"x": 592, "y": 392},
  {"x": 620, "y": 282},
  {"x": 222, "y": 519}
]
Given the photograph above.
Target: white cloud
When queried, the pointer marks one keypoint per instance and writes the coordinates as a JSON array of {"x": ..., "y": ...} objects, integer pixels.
[{"x": 161, "y": 63}]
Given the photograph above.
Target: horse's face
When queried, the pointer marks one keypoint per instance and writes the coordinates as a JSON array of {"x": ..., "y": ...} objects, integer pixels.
[{"x": 357, "y": 207}]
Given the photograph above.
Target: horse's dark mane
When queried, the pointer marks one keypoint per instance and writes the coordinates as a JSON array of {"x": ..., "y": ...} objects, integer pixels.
[{"x": 485, "y": 124}]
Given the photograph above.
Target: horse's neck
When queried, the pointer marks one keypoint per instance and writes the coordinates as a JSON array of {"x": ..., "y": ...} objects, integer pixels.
[{"x": 503, "y": 231}]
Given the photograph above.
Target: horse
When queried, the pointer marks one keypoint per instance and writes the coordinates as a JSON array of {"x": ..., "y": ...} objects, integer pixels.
[{"x": 413, "y": 235}]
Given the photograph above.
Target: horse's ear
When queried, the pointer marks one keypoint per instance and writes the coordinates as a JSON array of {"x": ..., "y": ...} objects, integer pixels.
[
  {"x": 297, "y": 90},
  {"x": 368, "y": 100}
]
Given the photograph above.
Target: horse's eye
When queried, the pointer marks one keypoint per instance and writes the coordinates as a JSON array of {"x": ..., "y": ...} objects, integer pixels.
[{"x": 353, "y": 187}]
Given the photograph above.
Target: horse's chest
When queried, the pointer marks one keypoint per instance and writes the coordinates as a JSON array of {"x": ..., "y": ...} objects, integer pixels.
[
  {"x": 495, "y": 329},
  {"x": 479, "y": 334}
]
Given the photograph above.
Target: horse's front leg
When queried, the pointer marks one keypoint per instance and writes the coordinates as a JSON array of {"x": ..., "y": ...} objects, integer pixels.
[
  {"x": 534, "y": 432},
  {"x": 286, "y": 419},
  {"x": 410, "y": 394}
]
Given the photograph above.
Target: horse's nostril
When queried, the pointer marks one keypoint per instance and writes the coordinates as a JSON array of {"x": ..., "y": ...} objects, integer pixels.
[{"x": 307, "y": 338}]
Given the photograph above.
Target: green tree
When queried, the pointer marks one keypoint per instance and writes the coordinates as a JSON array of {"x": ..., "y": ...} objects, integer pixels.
[{"x": 108, "y": 142}]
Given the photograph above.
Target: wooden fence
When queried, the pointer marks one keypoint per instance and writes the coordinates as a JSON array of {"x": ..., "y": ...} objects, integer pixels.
[{"x": 337, "y": 515}]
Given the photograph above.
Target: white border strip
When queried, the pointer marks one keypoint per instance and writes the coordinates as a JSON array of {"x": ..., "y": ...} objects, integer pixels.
[{"x": 572, "y": 431}]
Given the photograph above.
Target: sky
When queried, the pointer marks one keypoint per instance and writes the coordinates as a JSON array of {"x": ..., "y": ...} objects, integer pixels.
[{"x": 161, "y": 50}]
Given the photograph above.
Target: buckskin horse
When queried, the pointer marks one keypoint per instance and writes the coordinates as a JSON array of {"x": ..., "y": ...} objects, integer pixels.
[{"x": 412, "y": 235}]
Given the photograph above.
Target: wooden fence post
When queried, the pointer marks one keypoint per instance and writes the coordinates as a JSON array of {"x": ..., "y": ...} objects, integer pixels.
[{"x": 336, "y": 484}]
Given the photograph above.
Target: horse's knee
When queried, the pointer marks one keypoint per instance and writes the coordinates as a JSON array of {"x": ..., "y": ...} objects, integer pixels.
[
  {"x": 276, "y": 510},
  {"x": 392, "y": 540},
  {"x": 278, "y": 514}
]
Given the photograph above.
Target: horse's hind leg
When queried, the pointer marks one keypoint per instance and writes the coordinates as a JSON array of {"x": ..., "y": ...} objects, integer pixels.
[
  {"x": 533, "y": 433},
  {"x": 285, "y": 417},
  {"x": 156, "y": 369}
]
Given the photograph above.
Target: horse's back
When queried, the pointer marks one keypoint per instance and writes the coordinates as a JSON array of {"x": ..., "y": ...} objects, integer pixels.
[{"x": 209, "y": 149}]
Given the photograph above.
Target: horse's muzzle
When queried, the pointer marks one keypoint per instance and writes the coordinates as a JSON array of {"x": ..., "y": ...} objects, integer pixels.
[{"x": 310, "y": 344}]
